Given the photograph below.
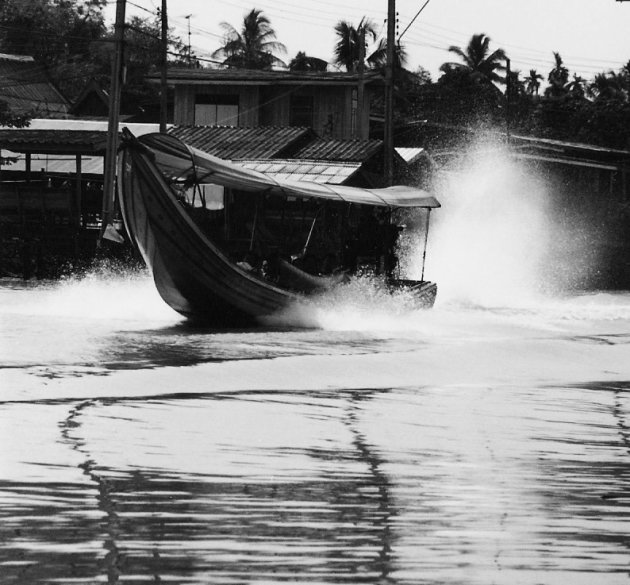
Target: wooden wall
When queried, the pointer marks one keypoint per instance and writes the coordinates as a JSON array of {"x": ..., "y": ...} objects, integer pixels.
[
  {"x": 184, "y": 113},
  {"x": 270, "y": 106}
]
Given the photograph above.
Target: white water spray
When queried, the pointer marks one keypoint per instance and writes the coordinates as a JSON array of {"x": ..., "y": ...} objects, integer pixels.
[
  {"x": 105, "y": 293},
  {"x": 497, "y": 241},
  {"x": 500, "y": 241},
  {"x": 490, "y": 238}
]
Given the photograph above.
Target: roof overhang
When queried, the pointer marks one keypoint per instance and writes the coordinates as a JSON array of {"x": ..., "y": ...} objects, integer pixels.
[
  {"x": 181, "y": 163},
  {"x": 249, "y": 78},
  {"x": 54, "y": 141}
]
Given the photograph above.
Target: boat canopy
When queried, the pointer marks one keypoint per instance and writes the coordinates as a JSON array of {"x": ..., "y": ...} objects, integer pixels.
[{"x": 182, "y": 163}]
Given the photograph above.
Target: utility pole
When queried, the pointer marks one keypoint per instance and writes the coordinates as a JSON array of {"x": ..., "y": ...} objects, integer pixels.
[
  {"x": 361, "y": 88},
  {"x": 163, "y": 64},
  {"x": 389, "y": 94},
  {"x": 189, "y": 49},
  {"x": 109, "y": 176},
  {"x": 508, "y": 95}
]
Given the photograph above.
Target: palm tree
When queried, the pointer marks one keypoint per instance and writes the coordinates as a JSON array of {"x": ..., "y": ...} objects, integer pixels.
[
  {"x": 478, "y": 60},
  {"x": 349, "y": 38},
  {"x": 532, "y": 82},
  {"x": 348, "y": 47},
  {"x": 377, "y": 56},
  {"x": 558, "y": 78},
  {"x": 253, "y": 47},
  {"x": 302, "y": 62}
]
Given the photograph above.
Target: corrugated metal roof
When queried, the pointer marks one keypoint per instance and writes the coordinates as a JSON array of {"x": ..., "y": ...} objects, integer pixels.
[
  {"x": 54, "y": 136},
  {"x": 315, "y": 171},
  {"x": 138, "y": 129},
  {"x": 26, "y": 88},
  {"x": 234, "y": 143},
  {"x": 340, "y": 150},
  {"x": 53, "y": 141},
  {"x": 180, "y": 75}
]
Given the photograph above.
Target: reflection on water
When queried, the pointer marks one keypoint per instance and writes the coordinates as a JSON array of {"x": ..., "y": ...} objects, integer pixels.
[
  {"x": 422, "y": 485},
  {"x": 447, "y": 447}
]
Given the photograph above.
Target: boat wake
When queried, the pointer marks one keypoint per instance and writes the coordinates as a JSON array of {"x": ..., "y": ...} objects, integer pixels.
[{"x": 105, "y": 293}]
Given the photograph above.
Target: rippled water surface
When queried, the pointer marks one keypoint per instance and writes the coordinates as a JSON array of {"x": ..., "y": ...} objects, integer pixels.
[{"x": 352, "y": 440}]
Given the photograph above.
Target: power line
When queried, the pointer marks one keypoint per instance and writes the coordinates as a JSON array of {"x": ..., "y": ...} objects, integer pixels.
[{"x": 414, "y": 19}]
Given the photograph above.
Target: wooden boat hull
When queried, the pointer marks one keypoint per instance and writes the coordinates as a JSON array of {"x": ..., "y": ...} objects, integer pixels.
[{"x": 192, "y": 275}]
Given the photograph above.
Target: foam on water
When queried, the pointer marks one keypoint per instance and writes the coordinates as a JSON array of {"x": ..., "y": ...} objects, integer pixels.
[{"x": 105, "y": 293}]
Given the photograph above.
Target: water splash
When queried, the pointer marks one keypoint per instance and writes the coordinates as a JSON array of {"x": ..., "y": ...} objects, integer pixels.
[
  {"x": 106, "y": 292},
  {"x": 501, "y": 237},
  {"x": 363, "y": 304},
  {"x": 504, "y": 248}
]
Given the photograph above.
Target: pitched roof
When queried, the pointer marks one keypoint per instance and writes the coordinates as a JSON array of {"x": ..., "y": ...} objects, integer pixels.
[
  {"x": 53, "y": 141},
  {"x": 329, "y": 173},
  {"x": 26, "y": 88},
  {"x": 93, "y": 100},
  {"x": 182, "y": 75},
  {"x": 346, "y": 150},
  {"x": 233, "y": 143},
  {"x": 54, "y": 136}
]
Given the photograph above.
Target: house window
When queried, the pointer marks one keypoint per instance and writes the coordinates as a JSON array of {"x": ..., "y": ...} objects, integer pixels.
[
  {"x": 301, "y": 113},
  {"x": 216, "y": 110}
]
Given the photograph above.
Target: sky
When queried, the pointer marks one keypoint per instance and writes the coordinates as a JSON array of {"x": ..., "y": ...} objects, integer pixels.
[{"x": 591, "y": 35}]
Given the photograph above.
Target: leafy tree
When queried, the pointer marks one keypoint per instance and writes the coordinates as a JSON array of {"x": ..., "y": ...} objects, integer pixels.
[
  {"x": 302, "y": 62},
  {"x": 609, "y": 86},
  {"x": 478, "y": 62},
  {"x": 10, "y": 120},
  {"x": 50, "y": 30},
  {"x": 466, "y": 92},
  {"x": 59, "y": 34},
  {"x": 143, "y": 49},
  {"x": 577, "y": 87},
  {"x": 254, "y": 47},
  {"x": 409, "y": 91}
]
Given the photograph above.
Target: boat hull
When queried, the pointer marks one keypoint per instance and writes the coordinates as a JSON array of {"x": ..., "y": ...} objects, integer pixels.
[{"x": 192, "y": 275}]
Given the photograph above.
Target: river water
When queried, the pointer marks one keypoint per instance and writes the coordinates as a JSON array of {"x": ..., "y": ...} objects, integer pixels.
[{"x": 350, "y": 440}]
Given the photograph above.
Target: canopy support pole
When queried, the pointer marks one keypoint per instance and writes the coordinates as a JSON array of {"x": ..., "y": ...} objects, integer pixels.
[
  {"x": 426, "y": 240},
  {"x": 251, "y": 241}
]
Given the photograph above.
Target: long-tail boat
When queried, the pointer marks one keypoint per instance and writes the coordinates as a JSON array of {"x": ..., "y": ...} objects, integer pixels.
[{"x": 229, "y": 246}]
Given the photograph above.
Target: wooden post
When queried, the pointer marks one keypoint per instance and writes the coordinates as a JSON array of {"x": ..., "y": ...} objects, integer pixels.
[
  {"x": 388, "y": 138},
  {"x": 77, "y": 193},
  {"x": 163, "y": 80},
  {"x": 109, "y": 178}
]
